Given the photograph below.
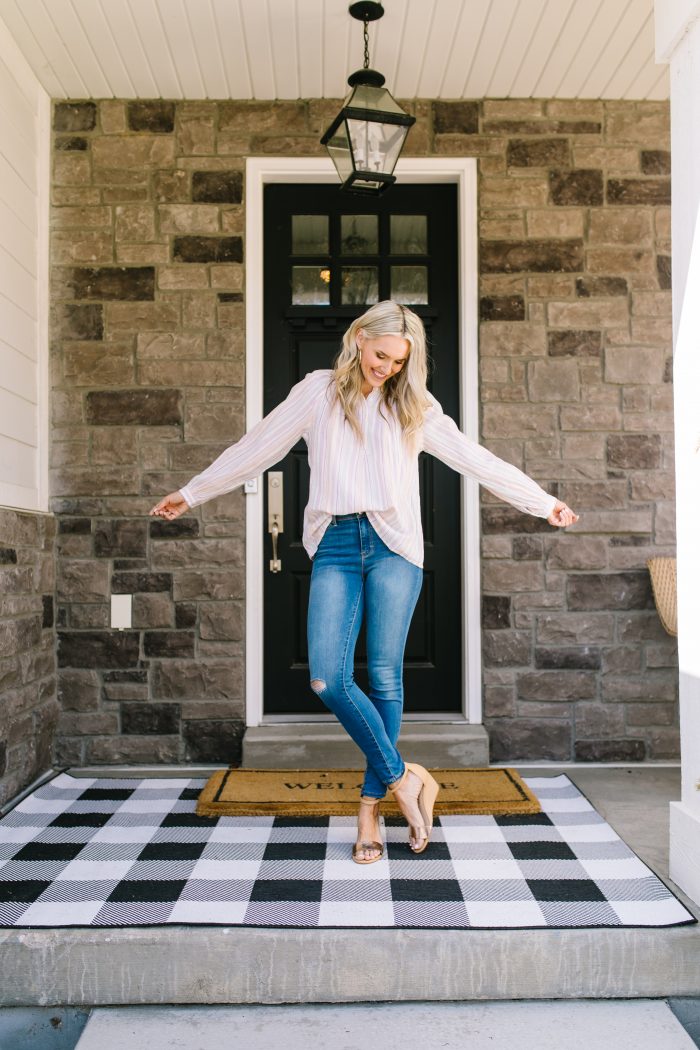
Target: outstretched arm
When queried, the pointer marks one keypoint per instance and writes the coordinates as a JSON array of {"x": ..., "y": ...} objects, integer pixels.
[
  {"x": 266, "y": 443},
  {"x": 443, "y": 438}
]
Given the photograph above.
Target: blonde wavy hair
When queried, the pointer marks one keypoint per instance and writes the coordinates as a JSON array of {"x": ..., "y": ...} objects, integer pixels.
[{"x": 404, "y": 394}]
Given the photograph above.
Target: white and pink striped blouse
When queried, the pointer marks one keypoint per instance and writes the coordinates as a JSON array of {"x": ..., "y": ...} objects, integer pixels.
[{"x": 380, "y": 477}]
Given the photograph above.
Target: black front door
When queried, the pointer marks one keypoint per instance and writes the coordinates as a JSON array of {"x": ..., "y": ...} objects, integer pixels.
[{"x": 328, "y": 255}]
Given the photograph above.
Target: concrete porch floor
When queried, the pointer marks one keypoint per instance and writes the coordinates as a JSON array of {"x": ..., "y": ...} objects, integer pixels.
[{"x": 155, "y": 965}]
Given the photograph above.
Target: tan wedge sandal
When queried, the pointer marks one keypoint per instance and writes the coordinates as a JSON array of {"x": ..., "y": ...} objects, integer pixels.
[
  {"x": 426, "y": 801},
  {"x": 360, "y": 846}
]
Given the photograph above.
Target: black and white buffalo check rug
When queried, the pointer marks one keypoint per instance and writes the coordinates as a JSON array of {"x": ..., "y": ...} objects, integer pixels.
[{"x": 132, "y": 852}]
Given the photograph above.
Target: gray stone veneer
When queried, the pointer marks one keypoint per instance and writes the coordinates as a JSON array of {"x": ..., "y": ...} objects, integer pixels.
[
  {"x": 147, "y": 346},
  {"x": 29, "y": 710}
]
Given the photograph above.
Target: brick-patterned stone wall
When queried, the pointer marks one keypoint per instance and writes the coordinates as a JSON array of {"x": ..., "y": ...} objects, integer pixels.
[
  {"x": 575, "y": 365},
  {"x": 29, "y": 710},
  {"x": 575, "y": 388}
]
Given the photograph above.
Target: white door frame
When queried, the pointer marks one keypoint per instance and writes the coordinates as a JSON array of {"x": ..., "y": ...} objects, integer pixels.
[{"x": 463, "y": 172}]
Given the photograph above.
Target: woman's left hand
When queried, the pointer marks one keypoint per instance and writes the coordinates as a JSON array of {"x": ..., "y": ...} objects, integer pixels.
[
  {"x": 171, "y": 506},
  {"x": 562, "y": 515}
]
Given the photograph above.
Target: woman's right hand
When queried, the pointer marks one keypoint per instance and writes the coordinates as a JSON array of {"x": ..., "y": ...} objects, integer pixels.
[
  {"x": 171, "y": 506},
  {"x": 562, "y": 515}
]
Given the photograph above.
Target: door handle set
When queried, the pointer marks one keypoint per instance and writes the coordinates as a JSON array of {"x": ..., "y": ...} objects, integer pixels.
[{"x": 275, "y": 513}]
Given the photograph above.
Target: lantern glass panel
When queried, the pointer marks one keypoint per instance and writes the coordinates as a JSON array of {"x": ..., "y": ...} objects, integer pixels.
[
  {"x": 376, "y": 147},
  {"x": 379, "y": 99},
  {"x": 339, "y": 149}
]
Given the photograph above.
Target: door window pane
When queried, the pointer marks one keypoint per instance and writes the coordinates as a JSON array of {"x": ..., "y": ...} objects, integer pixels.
[
  {"x": 311, "y": 286},
  {"x": 309, "y": 234},
  {"x": 409, "y": 285},
  {"x": 359, "y": 235},
  {"x": 409, "y": 234},
  {"x": 360, "y": 286}
]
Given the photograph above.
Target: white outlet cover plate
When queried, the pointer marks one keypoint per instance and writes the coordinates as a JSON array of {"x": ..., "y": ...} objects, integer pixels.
[{"x": 121, "y": 611}]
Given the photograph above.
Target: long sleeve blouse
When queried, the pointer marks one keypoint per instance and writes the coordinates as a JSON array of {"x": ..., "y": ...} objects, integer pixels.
[{"x": 379, "y": 476}]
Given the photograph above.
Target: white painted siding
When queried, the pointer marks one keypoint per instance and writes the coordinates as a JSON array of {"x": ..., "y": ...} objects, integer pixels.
[
  {"x": 24, "y": 181},
  {"x": 307, "y": 48}
]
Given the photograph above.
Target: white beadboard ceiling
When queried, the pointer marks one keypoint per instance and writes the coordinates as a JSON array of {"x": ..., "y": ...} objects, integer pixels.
[{"x": 290, "y": 49}]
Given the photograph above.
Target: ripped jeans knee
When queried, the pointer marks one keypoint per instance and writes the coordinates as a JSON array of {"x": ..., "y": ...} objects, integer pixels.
[{"x": 318, "y": 685}]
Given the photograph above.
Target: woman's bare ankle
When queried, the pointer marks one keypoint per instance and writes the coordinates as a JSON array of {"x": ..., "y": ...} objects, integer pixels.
[
  {"x": 367, "y": 815},
  {"x": 368, "y": 819}
]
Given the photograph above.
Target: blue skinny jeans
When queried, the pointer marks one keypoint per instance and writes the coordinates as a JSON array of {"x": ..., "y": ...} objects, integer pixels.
[{"x": 354, "y": 573}]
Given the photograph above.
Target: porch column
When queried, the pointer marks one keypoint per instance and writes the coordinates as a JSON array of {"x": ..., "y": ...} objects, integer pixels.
[{"x": 678, "y": 43}]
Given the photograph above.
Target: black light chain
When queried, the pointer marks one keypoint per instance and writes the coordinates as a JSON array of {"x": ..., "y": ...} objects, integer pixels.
[{"x": 366, "y": 65}]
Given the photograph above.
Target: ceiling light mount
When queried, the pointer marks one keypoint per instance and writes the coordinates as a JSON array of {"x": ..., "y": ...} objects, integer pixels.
[{"x": 366, "y": 10}]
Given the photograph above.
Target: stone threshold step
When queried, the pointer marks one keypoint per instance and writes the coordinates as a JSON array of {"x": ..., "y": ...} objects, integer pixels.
[{"x": 319, "y": 745}]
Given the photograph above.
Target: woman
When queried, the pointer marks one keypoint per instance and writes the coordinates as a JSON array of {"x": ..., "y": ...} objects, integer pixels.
[{"x": 364, "y": 422}]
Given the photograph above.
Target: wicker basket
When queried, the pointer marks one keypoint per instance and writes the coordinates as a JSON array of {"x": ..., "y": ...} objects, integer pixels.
[{"x": 663, "y": 583}]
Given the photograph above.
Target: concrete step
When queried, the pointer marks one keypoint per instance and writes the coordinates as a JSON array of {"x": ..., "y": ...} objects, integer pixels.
[
  {"x": 640, "y": 1025},
  {"x": 225, "y": 964},
  {"x": 319, "y": 745}
]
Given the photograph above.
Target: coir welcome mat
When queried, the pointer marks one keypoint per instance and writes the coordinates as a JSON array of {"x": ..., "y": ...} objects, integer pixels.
[{"x": 335, "y": 792}]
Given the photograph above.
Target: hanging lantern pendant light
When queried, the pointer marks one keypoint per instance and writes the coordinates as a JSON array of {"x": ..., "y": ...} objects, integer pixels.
[{"x": 365, "y": 139}]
